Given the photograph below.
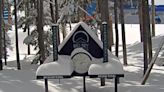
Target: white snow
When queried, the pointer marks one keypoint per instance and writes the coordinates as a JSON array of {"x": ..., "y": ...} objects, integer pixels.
[
  {"x": 113, "y": 66},
  {"x": 157, "y": 2},
  {"x": 63, "y": 66},
  {"x": 12, "y": 80}
]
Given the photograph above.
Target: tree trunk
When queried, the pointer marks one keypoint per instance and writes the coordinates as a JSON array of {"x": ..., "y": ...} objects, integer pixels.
[
  {"x": 123, "y": 33},
  {"x": 28, "y": 28},
  {"x": 140, "y": 19},
  {"x": 4, "y": 43},
  {"x": 153, "y": 17},
  {"x": 1, "y": 10},
  {"x": 145, "y": 34},
  {"x": 63, "y": 29},
  {"x": 16, "y": 35},
  {"x": 52, "y": 11},
  {"x": 116, "y": 27},
  {"x": 149, "y": 32},
  {"x": 147, "y": 26},
  {"x": 40, "y": 31},
  {"x": 110, "y": 33}
]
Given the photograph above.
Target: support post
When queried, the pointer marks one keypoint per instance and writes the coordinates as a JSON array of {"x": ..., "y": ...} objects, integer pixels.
[
  {"x": 55, "y": 39},
  {"x": 84, "y": 86},
  {"x": 115, "y": 83},
  {"x": 46, "y": 85},
  {"x": 105, "y": 41},
  {"x": 105, "y": 46}
]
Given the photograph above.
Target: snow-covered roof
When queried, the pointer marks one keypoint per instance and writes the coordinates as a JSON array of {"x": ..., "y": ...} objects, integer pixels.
[
  {"x": 63, "y": 66},
  {"x": 88, "y": 30}
]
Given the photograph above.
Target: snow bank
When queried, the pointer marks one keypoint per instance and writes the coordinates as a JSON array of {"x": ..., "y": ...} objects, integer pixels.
[{"x": 63, "y": 66}]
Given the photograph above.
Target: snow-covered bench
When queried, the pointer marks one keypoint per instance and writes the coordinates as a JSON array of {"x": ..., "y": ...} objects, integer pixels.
[{"x": 64, "y": 68}]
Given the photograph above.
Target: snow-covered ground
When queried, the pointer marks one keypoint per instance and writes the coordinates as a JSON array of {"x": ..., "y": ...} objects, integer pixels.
[{"x": 12, "y": 80}]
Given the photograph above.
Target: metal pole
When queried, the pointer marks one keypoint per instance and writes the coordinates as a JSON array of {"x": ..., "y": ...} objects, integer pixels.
[
  {"x": 115, "y": 83},
  {"x": 46, "y": 85},
  {"x": 105, "y": 41},
  {"x": 84, "y": 86},
  {"x": 56, "y": 19},
  {"x": 55, "y": 29}
]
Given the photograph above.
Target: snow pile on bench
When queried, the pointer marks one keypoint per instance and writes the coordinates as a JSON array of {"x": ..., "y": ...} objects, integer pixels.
[
  {"x": 113, "y": 66},
  {"x": 63, "y": 66}
]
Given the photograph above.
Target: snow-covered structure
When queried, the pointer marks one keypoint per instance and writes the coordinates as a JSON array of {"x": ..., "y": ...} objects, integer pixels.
[
  {"x": 82, "y": 37},
  {"x": 84, "y": 52}
]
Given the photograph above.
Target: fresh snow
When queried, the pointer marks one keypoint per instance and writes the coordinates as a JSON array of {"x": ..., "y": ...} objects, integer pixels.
[
  {"x": 113, "y": 66},
  {"x": 63, "y": 66},
  {"x": 12, "y": 80}
]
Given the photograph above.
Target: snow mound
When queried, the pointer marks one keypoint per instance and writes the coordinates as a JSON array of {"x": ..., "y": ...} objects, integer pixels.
[
  {"x": 63, "y": 66},
  {"x": 113, "y": 66}
]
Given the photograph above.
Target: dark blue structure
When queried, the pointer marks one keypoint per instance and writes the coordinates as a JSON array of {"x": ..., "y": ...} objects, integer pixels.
[
  {"x": 159, "y": 8},
  {"x": 91, "y": 8},
  {"x": 157, "y": 19}
]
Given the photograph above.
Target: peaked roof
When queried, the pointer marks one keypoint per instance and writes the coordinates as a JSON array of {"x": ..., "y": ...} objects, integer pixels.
[
  {"x": 86, "y": 28},
  {"x": 90, "y": 32}
]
